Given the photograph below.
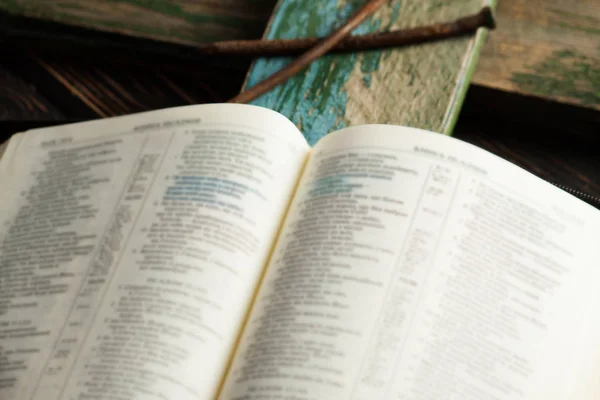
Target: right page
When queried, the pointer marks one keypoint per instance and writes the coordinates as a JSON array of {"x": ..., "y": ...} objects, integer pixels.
[{"x": 414, "y": 266}]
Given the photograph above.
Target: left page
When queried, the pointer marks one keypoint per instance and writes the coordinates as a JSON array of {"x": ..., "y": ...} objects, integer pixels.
[{"x": 130, "y": 249}]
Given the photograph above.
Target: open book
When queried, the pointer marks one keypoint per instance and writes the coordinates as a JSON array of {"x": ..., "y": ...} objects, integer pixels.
[{"x": 207, "y": 252}]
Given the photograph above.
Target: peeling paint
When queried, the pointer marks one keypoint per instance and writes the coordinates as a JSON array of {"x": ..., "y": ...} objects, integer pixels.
[{"x": 319, "y": 111}]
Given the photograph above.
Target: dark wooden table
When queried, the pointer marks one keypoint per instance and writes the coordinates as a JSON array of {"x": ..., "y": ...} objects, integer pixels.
[{"x": 559, "y": 142}]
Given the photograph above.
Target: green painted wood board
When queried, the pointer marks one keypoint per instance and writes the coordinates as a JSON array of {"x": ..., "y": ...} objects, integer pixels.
[{"x": 421, "y": 86}]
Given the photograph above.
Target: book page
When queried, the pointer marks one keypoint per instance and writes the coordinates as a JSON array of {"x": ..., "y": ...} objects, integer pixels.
[
  {"x": 130, "y": 249},
  {"x": 3, "y": 148},
  {"x": 7, "y": 150},
  {"x": 414, "y": 266}
]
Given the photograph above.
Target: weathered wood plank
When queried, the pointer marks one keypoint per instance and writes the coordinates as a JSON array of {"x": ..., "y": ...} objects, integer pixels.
[
  {"x": 183, "y": 21},
  {"x": 545, "y": 48},
  {"x": 421, "y": 86}
]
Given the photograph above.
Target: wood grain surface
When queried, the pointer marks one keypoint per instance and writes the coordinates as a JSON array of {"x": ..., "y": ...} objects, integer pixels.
[
  {"x": 44, "y": 86},
  {"x": 183, "y": 21},
  {"x": 421, "y": 86},
  {"x": 545, "y": 48}
]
